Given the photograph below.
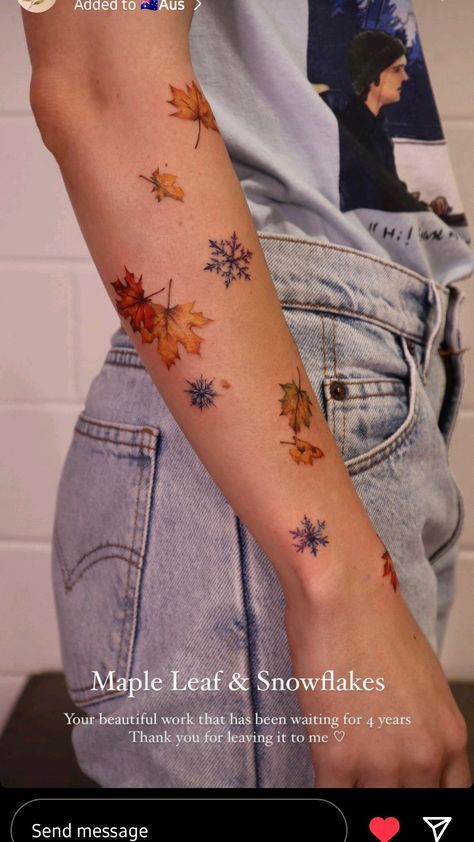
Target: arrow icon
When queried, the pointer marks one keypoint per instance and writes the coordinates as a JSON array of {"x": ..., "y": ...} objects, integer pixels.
[
  {"x": 198, "y": 3},
  {"x": 438, "y": 825}
]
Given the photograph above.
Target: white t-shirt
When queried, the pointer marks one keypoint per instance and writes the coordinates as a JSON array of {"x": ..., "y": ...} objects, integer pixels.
[{"x": 328, "y": 114}]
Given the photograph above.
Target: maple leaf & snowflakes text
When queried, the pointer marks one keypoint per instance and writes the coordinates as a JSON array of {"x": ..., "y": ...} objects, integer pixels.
[{"x": 328, "y": 681}]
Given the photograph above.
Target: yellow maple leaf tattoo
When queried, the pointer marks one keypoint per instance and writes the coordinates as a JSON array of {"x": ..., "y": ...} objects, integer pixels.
[
  {"x": 304, "y": 452},
  {"x": 193, "y": 105},
  {"x": 164, "y": 186}
]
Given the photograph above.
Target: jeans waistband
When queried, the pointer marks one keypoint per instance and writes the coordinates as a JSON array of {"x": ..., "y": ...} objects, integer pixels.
[{"x": 310, "y": 274}]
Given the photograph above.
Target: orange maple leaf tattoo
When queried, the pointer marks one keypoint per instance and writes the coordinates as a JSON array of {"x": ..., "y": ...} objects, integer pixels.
[
  {"x": 164, "y": 186},
  {"x": 173, "y": 326},
  {"x": 193, "y": 105},
  {"x": 132, "y": 302},
  {"x": 389, "y": 570},
  {"x": 303, "y": 451}
]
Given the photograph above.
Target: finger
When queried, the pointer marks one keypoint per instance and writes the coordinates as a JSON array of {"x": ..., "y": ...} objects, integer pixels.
[
  {"x": 412, "y": 778},
  {"x": 379, "y": 779},
  {"x": 457, "y": 773},
  {"x": 328, "y": 776}
]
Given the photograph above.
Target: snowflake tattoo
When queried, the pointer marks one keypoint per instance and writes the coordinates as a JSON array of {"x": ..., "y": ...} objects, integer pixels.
[
  {"x": 202, "y": 393},
  {"x": 310, "y": 536},
  {"x": 229, "y": 259}
]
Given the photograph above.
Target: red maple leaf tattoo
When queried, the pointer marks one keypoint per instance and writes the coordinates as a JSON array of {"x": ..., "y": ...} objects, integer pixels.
[
  {"x": 389, "y": 570},
  {"x": 132, "y": 303}
]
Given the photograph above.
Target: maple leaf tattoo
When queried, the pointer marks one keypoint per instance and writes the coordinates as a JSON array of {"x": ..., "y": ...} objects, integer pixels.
[
  {"x": 202, "y": 393},
  {"x": 173, "y": 326},
  {"x": 303, "y": 452},
  {"x": 310, "y": 536},
  {"x": 389, "y": 569},
  {"x": 193, "y": 105},
  {"x": 229, "y": 259},
  {"x": 164, "y": 186},
  {"x": 132, "y": 302},
  {"x": 296, "y": 405}
]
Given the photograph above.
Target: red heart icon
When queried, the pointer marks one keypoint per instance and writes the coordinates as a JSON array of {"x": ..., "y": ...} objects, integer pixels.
[{"x": 384, "y": 829}]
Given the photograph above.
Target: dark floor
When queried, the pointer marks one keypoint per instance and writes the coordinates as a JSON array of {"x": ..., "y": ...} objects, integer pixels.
[
  {"x": 35, "y": 747},
  {"x": 36, "y": 750}
]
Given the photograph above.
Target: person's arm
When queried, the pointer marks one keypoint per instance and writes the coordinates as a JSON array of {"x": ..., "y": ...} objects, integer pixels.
[{"x": 159, "y": 204}]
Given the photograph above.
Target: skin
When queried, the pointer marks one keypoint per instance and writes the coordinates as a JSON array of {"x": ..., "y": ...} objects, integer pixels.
[
  {"x": 389, "y": 87},
  {"x": 341, "y": 612}
]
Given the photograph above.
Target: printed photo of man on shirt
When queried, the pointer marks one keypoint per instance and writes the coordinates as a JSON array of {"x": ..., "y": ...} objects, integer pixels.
[{"x": 376, "y": 84}]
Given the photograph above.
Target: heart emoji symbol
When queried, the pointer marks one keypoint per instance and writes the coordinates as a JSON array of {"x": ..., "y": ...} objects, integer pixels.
[
  {"x": 384, "y": 829},
  {"x": 339, "y": 735}
]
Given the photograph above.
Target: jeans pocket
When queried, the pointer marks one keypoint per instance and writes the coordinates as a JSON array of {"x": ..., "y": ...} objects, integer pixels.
[
  {"x": 365, "y": 379},
  {"x": 372, "y": 416},
  {"x": 451, "y": 352},
  {"x": 452, "y": 539},
  {"x": 99, "y": 539}
]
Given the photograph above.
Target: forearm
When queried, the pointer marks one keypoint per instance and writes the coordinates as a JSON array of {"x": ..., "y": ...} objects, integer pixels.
[{"x": 257, "y": 428}]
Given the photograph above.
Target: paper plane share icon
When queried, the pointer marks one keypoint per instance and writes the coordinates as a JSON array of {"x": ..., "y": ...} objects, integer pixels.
[{"x": 438, "y": 825}]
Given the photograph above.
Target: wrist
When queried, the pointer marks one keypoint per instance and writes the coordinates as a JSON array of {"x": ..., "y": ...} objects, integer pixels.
[{"x": 345, "y": 576}]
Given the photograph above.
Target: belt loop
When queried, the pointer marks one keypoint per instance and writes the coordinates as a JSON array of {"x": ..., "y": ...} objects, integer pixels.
[{"x": 433, "y": 297}]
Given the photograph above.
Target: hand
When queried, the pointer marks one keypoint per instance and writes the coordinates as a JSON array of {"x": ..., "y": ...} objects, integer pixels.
[{"x": 371, "y": 632}]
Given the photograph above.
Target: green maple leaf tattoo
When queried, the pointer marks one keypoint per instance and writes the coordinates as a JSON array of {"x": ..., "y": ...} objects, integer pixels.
[{"x": 296, "y": 404}]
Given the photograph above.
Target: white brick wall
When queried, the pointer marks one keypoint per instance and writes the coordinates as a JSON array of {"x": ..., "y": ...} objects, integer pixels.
[{"x": 49, "y": 356}]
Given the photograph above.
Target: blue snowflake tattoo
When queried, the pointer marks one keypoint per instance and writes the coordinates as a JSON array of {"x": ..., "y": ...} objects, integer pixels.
[
  {"x": 310, "y": 536},
  {"x": 229, "y": 259},
  {"x": 202, "y": 393}
]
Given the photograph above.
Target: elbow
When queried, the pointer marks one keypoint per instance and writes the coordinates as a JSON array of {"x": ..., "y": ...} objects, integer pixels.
[{"x": 51, "y": 104}]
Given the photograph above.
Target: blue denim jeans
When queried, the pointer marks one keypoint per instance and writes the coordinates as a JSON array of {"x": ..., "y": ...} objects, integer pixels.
[{"x": 154, "y": 571}]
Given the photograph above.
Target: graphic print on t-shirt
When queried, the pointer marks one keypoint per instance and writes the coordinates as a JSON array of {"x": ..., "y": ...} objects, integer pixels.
[{"x": 366, "y": 62}]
